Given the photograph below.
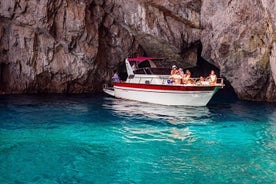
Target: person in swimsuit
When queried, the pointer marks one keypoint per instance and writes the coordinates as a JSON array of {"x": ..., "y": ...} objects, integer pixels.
[
  {"x": 212, "y": 78},
  {"x": 175, "y": 76},
  {"x": 186, "y": 77}
]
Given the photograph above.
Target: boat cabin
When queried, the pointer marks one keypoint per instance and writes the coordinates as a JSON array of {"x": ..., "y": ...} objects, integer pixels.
[
  {"x": 146, "y": 70},
  {"x": 149, "y": 70},
  {"x": 148, "y": 66}
]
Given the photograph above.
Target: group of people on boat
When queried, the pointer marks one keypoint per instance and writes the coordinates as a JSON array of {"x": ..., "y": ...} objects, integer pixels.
[{"x": 179, "y": 77}]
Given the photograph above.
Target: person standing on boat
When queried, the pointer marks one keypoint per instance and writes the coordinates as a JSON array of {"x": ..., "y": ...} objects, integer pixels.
[
  {"x": 116, "y": 77},
  {"x": 212, "y": 78}
]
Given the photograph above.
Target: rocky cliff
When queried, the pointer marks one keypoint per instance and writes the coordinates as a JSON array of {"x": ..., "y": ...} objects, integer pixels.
[{"x": 72, "y": 46}]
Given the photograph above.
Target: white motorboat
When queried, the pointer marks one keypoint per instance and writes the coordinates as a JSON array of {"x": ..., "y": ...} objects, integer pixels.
[{"x": 148, "y": 84}]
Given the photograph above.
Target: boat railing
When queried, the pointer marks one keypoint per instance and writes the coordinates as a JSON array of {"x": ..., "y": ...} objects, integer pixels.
[{"x": 165, "y": 80}]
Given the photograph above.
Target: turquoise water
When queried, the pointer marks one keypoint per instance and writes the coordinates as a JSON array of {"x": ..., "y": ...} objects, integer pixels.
[{"x": 98, "y": 139}]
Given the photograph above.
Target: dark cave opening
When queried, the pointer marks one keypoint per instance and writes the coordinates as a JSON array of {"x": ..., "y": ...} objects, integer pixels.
[
  {"x": 203, "y": 68},
  {"x": 3, "y": 76}
]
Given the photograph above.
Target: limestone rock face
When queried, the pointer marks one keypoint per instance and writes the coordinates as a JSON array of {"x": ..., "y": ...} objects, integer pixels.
[
  {"x": 239, "y": 38},
  {"x": 48, "y": 45},
  {"x": 73, "y": 46},
  {"x": 163, "y": 28}
]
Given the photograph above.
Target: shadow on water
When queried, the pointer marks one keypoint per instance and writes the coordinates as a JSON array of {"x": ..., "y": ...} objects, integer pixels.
[{"x": 226, "y": 95}]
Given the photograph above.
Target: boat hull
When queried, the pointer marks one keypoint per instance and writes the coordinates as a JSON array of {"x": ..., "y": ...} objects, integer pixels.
[
  {"x": 109, "y": 91},
  {"x": 165, "y": 94}
]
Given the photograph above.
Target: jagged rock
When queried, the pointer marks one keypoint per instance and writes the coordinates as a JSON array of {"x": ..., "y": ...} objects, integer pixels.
[
  {"x": 73, "y": 46},
  {"x": 160, "y": 27},
  {"x": 273, "y": 60},
  {"x": 237, "y": 37}
]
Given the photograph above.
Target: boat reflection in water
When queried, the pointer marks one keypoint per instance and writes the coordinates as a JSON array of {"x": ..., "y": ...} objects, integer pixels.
[
  {"x": 176, "y": 115},
  {"x": 152, "y": 122}
]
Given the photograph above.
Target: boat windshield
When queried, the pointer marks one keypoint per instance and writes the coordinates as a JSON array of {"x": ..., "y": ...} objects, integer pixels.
[
  {"x": 151, "y": 71},
  {"x": 148, "y": 66}
]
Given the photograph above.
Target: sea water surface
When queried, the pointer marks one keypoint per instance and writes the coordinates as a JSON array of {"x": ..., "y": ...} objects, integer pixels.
[{"x": 98, "y": 139}]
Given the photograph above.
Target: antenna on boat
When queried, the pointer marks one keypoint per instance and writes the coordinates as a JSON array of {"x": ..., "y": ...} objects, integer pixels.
[{"x": 129, "y": 69}]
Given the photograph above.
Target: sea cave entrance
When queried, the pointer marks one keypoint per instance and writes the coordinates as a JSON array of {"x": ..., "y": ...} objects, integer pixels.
[{"x": 203, "y": 68}]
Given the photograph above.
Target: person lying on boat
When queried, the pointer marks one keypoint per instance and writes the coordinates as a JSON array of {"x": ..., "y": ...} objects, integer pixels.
[
  {"x": 202, "y": 82},
  {"x": 186, "y": 79},
  {"x": 116, "y": 77},
  {"x": 212, "y": 78}
]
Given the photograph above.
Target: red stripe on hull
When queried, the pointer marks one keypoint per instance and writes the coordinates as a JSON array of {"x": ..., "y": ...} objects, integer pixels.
[{"x": 165, "y": 87}]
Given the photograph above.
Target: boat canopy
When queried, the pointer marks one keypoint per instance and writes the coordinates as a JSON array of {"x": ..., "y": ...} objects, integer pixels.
[{"x": 141, "y": 59}]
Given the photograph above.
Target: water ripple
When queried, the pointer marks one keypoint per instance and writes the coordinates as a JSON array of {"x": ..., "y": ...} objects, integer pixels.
[{"x": 107, "y": 140}]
